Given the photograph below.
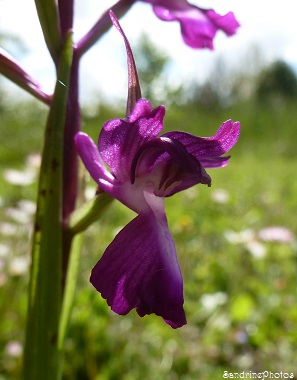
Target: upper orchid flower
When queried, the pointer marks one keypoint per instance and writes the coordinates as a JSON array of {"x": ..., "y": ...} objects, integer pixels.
[
  {"x": 198, "y": 26},
  {"x": 139, "y": 269}
]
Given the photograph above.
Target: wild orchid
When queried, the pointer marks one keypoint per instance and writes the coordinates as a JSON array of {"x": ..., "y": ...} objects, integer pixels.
[
  {"x": 139, "y": 269},
  {"x": 198, "y": 26}
]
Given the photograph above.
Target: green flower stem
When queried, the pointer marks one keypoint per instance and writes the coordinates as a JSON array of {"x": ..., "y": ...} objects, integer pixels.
[
  {"x": 86, "y": 215},
  {"x": 68, "y": 299},
  {"x": 45, "y": 289},
  {"x": 49, "y": 20},
  {"x": 80, "y": 220}
]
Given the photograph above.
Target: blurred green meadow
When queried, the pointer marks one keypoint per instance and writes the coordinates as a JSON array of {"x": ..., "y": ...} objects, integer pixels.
[{"x": 236, "y": 244}]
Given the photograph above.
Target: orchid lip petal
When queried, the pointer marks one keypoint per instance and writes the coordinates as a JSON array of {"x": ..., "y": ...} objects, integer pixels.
[{"x": 139, "y": 269}]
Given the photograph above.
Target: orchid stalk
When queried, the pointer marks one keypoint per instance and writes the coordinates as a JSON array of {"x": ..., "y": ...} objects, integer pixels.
[
  {"x": 145, "y": 168},
  {"x": 43, "y": 316}
]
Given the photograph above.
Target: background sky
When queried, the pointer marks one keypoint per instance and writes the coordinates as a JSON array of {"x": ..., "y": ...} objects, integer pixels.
[{"x": 267, "y": 27}]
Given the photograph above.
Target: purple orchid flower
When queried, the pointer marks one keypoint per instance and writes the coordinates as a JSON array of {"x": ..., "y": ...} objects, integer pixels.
[
  {"x": 198, "y": 26},
  {"x": 139, "y": 269}
]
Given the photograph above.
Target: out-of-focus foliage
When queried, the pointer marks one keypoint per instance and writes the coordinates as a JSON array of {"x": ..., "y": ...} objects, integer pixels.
[
  {"x": 277, "y": 83},
  {"x": 274, "y": 85},
  {"x": 240, "y": 282}
]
